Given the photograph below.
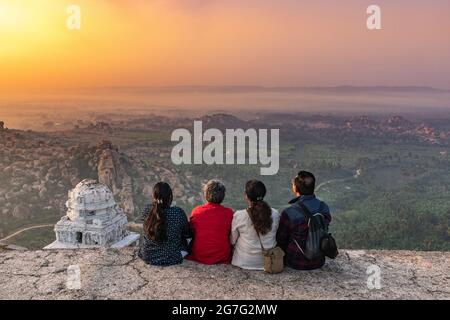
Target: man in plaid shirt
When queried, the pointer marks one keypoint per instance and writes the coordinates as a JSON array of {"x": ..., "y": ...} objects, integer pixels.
[{"x": 294, "y": 223}]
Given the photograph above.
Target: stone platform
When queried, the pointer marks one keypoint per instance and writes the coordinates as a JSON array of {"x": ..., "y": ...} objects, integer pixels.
[
  {"x": 131, "y": 240},
  {"x": 120, "y": 274}
]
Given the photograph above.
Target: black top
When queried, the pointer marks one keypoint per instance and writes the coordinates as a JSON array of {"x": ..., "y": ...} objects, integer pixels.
[{"x": 167, "y": 252}]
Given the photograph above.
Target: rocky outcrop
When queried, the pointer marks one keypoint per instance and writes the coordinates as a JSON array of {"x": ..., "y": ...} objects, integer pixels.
[
  {"x": 112, "y": 173},
  {"x": 37, "y": 171},
  {"x": 119, "y": 274}
]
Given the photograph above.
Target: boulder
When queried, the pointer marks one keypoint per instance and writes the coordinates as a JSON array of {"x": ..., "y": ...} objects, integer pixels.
[{"x": 21, "y": 211}]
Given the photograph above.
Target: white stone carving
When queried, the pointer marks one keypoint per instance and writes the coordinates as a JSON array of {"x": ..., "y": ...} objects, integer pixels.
[{"x": 93, "y": 220}]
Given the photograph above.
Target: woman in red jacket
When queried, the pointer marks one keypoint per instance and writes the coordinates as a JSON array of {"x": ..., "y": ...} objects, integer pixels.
[{"x": 211, "y": 227}]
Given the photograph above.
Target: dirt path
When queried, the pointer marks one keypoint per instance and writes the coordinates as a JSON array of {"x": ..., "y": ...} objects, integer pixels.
[
  {"x": 335, "y": 180},
  {"x": 331, "y": 181},
  {"x": 26, "y": 229}
]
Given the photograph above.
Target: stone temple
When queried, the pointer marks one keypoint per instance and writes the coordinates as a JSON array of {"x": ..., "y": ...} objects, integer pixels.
[{"x": 93, "y": 219}]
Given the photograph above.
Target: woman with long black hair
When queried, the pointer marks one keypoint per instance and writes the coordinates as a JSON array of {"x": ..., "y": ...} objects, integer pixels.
[
  {"x": 166, "y": 229},
  {"x": 253, "y": 229}
]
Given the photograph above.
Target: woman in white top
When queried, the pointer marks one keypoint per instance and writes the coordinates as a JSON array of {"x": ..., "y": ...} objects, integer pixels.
[{"x": 258, "y": 219}]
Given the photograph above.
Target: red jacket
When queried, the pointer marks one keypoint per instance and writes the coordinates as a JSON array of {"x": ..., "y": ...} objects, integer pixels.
[{"x": 211, "y": 227}]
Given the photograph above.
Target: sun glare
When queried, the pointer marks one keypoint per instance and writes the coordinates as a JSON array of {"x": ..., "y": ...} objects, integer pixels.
[
  {"x": 25, "y": 27},
  {"x": 11, "y": 15}
]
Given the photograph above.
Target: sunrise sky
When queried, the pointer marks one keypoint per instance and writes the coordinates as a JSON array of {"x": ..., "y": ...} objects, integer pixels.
[{"x": 226, "y": 42}]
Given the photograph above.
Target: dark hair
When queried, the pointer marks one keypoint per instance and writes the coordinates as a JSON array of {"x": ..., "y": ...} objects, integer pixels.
[
  {"x": 214, "y": 191},
  {"x": 155, "y": 227},
  {"x": 259, "y": 211},
  {"x": 305, "y": 183}
]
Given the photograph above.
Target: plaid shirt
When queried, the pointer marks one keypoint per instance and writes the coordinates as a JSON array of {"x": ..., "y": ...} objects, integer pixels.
[{"x": 294, "y": 225}]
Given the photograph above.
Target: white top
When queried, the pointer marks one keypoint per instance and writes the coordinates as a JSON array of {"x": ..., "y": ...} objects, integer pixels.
[{"x": 247, "y": 248}]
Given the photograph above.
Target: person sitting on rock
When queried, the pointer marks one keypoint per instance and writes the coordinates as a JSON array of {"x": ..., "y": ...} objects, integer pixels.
[
  {"x": 166, "y": 230},
  {"x": 293, "y": 229},
  {"x": 253, "y": 229},
  {"x": 211, "y": 227}
]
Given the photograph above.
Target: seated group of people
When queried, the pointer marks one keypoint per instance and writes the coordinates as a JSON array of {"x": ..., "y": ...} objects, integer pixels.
[{"x": 215, "y": 234}]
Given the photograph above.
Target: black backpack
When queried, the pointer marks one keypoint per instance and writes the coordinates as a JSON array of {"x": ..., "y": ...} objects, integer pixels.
[{"x": 319, "y": 242}]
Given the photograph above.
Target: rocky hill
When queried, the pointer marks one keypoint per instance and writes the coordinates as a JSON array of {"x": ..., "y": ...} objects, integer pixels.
[
  {"x": 114, "y": 274},
  {"x": 406, "y": 158},
  {"x": 38, "y": 169}
]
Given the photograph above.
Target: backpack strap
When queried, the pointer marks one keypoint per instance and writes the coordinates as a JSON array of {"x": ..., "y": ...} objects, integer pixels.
[
  {"x": 309, "y": 215},
  {"x": 298, "y": 246},
  {"x": 260, "y": 242},
  {"x": 305, "y": 210}
]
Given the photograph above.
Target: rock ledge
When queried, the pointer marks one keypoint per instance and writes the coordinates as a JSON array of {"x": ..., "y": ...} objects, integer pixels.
[{"x": 119, "y": 274}]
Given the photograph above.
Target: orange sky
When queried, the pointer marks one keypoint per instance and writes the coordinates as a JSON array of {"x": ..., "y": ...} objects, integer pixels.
[{"x": 212, "y": 42}]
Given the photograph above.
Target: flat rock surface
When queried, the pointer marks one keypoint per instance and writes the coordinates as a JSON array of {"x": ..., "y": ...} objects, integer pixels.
[{"x": 120, "y": 274}]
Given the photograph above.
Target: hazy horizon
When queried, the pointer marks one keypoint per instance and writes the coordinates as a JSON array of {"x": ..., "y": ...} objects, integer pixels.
[
  {"x": 26, "y": 112},
  {"x": 207, "y": 55}
]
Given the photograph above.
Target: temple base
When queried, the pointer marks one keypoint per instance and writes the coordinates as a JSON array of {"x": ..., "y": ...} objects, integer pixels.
[{"x": 130, "y": 240}]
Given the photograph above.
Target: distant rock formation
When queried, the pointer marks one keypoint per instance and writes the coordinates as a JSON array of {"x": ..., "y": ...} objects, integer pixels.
[
  {"x": 361, "y": 122},
  {"x": 399, "y": 126},
  {"x": 222, "y": 121},
  {"x": 398, "y": 122},
  {"x": 112, "y": 173},
  {"x": 119, "y": 274},
  {"x": 100, "y": 126}
]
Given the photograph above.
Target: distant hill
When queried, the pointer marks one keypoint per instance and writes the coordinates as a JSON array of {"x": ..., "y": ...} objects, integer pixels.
[{"x": 285, "y": 89}]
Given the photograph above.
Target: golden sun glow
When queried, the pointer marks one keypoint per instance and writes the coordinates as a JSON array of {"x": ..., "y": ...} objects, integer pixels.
[
  {"x": 25, "y": 26},
  {"x": 209, "y": 42},
  {"x": 11, "y": 16}
]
